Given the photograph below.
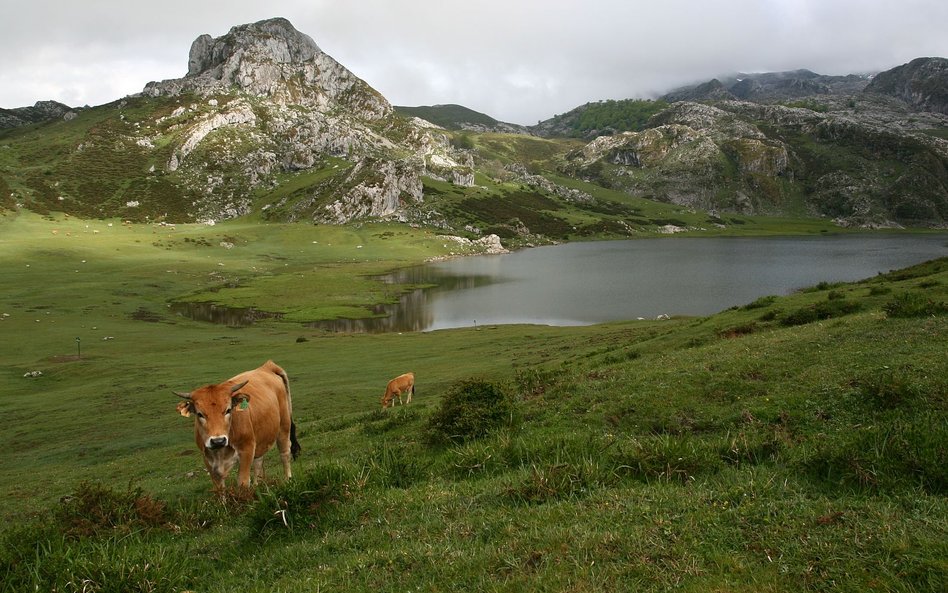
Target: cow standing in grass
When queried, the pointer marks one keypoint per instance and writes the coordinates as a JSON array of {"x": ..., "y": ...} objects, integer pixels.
[
  {"x": 396, "y": 387},
  {"x": 240, "y": 419}
]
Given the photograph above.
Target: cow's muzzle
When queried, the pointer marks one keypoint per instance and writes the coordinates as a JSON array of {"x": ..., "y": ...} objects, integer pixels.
[{"x": 216, "y": 442}]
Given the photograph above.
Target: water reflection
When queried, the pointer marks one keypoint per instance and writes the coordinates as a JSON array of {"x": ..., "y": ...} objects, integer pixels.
[
  {"x": 583, "y": 283},
  {"x": 413, "y": 312},
  {"x": 229, "y": 316}
]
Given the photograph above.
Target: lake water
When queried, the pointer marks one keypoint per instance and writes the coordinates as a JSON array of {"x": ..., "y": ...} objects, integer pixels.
[{"x": 586, "y": 283}]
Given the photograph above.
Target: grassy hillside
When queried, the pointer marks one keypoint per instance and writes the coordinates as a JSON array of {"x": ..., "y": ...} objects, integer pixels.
[
  {"x": 794, "y": 443},
  {"x": 449, "y": 117},
  {"x": 601, "y": 118},
  {"x": 520, "y": 213}
]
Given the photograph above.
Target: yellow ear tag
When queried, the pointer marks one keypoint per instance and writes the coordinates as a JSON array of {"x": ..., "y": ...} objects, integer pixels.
[{"x": 244, "y": 404}]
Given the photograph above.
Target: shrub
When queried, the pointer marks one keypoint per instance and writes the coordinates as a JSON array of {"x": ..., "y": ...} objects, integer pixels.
[
  {"x": 396, "y": 466},
  {"x": 665, "y": 458},
  {"x": 114, "y": 564},
  {"x": 889, "y": 389},
  {"x": 914, "y": 304},
  {"x": 884, "y": 457},
  {"x": 473, "y": 459},
  {"x": 764, "y": 301},
  {"x": 95, "y": 508},
  {"x": 822, "y": 310},
  {"x": 556, "y": 481},
  {"x": 471, "y": 408},
  {"x": 305, "y": 502},
  {"x": 382, "y": 421}
]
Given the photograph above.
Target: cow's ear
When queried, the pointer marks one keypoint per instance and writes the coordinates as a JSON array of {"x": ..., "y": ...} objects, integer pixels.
[
  {"x": 185, "y": 408},
  {"x": 240, "y": 402}
]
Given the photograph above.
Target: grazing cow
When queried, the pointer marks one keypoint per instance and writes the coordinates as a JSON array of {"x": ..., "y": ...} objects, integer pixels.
[
  {"x": 240, "y": 419},
  {"x": 396, "y": 387}
]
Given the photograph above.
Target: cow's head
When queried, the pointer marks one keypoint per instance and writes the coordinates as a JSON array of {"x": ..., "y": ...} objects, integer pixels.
[{"x": 212, "y": 407}]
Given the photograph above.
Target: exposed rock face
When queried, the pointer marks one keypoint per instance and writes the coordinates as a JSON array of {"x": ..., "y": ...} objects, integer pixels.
[
  {"x": 758, "y": 158},
  {"x": 922, "y": 83},
  {"x": 375, "y": 189},
  {"x": 272, "y": 59},
  {"x": 713, "y": 90},
  {"x": 41, "y": 111},
  {"x": 271, "y": 101},
  {"x": 769, "y": 87},
  {"x": 486, "y": 245},
  {"x": 696, "y": 146}
]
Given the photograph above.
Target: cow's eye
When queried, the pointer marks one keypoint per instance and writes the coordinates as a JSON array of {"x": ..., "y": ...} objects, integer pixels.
[
  {"x": 200, "y": 415},
  {"x": 227, "y": 412}
]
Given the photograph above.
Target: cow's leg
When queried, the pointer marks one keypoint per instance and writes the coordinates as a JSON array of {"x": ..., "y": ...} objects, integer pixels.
[
  {"x": 218, "y": 467},
  {"x": 399, "y": 392},
  {"x": 411, "y": 392},
  {"x": 246, "y": 460},
  {"x": 217, "y": 478},
  {"x": 258, "y": 469},
  {"x": 284, "y": 445}
]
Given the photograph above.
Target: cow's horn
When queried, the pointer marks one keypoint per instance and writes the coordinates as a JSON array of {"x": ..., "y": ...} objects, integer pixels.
[
  {"x": 237, "y": 387},
  {"x": 184, "y": 395}
]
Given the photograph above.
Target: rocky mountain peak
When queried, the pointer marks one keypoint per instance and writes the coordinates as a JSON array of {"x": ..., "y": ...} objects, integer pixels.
[
  {"x": 272, "y": 59},
  {"x": 41, "y": 111},
  {"x": 922, "y": 83},
  {"x": 273, "y": 40}
]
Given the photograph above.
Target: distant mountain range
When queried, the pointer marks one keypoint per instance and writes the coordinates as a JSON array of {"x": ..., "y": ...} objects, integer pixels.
[
  {"x": 770, "y": 87},
  {"x": 42, "y": 111},
  {"x": 264, "y": 122}
]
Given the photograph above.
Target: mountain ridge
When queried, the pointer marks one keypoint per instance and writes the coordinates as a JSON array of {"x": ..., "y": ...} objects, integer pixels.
[{"x": 265, "y": 123}]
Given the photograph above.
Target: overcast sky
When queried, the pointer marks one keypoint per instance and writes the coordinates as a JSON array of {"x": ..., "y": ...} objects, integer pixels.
[{"x": 519, "y": 61}]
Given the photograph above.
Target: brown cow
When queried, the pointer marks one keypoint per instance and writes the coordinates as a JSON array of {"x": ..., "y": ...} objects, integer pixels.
[
  {"x": 240, "y": 419},
  {"x": 396, "y": 387}
]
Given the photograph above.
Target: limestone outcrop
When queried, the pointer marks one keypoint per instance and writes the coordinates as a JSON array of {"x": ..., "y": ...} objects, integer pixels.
[
  {"x": 922, "y": 83},
  {"x": 272, "y": 59},
  {"x": 265, "y": 99}
]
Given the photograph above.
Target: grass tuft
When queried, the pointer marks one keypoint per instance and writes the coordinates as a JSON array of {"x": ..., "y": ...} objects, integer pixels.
[{"x": 470, "y": 409}]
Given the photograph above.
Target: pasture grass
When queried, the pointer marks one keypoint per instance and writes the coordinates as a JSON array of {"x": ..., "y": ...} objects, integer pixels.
[{"x": 735, "y": 452}]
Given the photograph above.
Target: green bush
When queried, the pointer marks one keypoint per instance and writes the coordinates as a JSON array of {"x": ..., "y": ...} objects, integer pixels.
[
  {"x": 397, "y": 466},
  {"x": 665, "y": 458},
  {"x": 557, "y": 481},
  {"x": 305, "y": 502},
  {"x": 764, "y": 301},
  {"x": 474, "y": 459},
  {"x": 884, "y": 458},
  {"x": 116, "y": 564},
  {"x": 471, "y": 408},
  {"x": 914, "y": 304},
  {"x": 828, "y": 309},
  {"x": 889, "y": 389},
  {"x": 96, "y": 542}
]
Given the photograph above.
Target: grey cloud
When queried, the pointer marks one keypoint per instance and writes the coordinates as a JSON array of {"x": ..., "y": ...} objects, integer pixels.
[{"x": 518, "y": 61}]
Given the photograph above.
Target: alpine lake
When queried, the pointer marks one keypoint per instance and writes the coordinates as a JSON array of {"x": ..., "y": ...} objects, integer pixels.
[{"x": 593, "y": 282}]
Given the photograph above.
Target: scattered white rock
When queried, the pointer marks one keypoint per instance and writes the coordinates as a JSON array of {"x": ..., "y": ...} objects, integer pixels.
[{"x": 33, "y": 374}]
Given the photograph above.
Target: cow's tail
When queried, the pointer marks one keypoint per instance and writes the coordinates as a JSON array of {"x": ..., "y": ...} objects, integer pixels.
[
  {"x": 294, "y": 444},
  {"x": 295, "y": 447}
]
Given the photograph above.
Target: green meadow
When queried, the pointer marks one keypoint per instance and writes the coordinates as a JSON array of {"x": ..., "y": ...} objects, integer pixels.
[{"x": 795, "y": 443}]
